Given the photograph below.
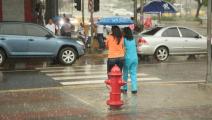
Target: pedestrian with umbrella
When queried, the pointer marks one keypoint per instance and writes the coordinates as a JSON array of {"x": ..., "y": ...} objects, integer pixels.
[
  {"x": 122, "y": 50},
  {"x": 115, "y": 45},
  {"x": 115, "y": 41}
]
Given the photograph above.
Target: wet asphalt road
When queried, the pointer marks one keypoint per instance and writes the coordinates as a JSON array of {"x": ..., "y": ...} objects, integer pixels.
[{"x": 92, "y": 70}]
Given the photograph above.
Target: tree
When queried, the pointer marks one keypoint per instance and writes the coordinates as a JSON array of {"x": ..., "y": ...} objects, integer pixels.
[
  {"x": 200, "y": 3},
  {"x": 171, "y": 1}
]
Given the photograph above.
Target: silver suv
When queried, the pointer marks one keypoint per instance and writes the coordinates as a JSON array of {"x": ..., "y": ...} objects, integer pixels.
[{"x": 19, "y": 39}]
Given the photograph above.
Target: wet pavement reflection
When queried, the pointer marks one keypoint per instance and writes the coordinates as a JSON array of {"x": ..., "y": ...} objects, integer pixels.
[
  {"x": 32, "y": 90},
  {"x": 31, "y": 64},
  {"x": 41, "y": 73},
  {"x": 153, "y": 102},
  {"x": 24, "y": 64}
]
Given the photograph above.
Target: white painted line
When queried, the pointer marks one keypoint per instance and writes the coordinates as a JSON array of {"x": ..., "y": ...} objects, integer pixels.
[
  {"x": 83, "y": 73},
  {"x": 74, "y": 70},
  {"x": 82, "y": 82},
  {"x": 178, "y": 82},
  {"x": 149, "y": 79},
  {"x": 79, "y": 77},
  {"x": 71, "y": 67},
  {"x": 84, "y": 77},
  {"x": 104, "y": 65},
  {"x": 167, "y": 63},
  {"x": 77, "y": 73},
  {"x": 82, "y": 100},
  {"x": 102, "y": 81},
  {"x": 10, "y": 71},
  {"x": 45, "y": 68}
]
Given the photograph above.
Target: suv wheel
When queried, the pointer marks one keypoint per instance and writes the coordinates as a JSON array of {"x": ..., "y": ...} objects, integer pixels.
[
  {"x": 2, "y": 57},
  {"x": 161, "y": 54},
  {"x": 67, "y": 56}
]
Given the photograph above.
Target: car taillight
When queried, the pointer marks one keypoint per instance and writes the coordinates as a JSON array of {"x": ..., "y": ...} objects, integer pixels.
[{"x": 142, "y": 41}]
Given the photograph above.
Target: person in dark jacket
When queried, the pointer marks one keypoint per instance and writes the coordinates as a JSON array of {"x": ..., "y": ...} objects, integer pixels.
[{"x": 66, "y": 28}]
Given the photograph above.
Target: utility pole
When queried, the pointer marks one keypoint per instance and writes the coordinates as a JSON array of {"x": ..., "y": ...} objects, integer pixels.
[
  {"x": 135, "y": 11},
  {"x": 91, "y": 9},
  {"x": 186, "y": 7},
  {"x": 141, "y": 13},
  {"x": 208, "y": 75},
  {"x": 181, "y": 8},
  {"x": 72, "y": 7},
  {"x": 83, "y": 13}
]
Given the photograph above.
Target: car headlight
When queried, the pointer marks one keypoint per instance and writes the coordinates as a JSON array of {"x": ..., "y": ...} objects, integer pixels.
[{"x": 80, "y": 42}]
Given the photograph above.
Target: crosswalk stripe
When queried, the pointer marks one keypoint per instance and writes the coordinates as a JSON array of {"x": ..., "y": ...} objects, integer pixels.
[
  {"x": 89, "y": 74},
  {"x": 84, "y": 77},
  {"x": 72, "y": 67},
  {"x": 102, "y": 81},
  {"x": 84, "y": 74},
  {"x": 74, "y": 70},
  {"x": 77, "y": 73}
]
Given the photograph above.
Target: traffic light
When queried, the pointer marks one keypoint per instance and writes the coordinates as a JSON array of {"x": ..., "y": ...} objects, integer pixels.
[
  {"x": 77, "y": 4},
  {"x": 96, "y": 5}
]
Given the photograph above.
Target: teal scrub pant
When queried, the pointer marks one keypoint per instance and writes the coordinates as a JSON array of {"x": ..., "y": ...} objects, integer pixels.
[{"x": 130, "y": 66}]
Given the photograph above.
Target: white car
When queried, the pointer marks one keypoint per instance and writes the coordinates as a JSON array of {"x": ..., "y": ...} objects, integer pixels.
[
  {"x": 122, "y": 12},
  {"x": 164, "y": 41}
]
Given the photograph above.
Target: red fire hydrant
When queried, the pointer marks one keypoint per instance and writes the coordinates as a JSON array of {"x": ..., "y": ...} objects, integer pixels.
[{"x": 115, "y": 81}]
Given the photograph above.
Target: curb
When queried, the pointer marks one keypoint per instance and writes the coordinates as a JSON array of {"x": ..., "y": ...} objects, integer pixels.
[{"x": 96, "y": 55}]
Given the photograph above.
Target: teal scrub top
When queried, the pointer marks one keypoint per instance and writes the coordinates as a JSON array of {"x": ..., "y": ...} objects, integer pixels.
[{"x": 130, "y": 49}]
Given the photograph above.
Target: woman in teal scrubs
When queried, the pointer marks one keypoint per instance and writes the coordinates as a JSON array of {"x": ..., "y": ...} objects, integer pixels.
[{"x": 131, "y": 60}]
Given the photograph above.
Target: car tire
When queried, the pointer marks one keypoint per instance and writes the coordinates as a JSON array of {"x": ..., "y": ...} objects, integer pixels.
[
  {"x": 161, "y": 54},
  {"x": 2, "y": 57},
  {"x": 143, "y": 57},
  {"x": 67, "y": 56}
]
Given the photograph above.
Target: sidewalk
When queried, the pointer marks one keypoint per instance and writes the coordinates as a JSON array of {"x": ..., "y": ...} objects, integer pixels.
[
  {"x": 94, "y": 52},
  {"x": 153, "y": 102}
]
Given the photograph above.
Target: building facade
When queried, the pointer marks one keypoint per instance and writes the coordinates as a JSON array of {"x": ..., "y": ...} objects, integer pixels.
[{"x": 37, "y": 11}]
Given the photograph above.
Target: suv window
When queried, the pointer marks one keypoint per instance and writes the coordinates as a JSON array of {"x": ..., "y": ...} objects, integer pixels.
[
  {"x": 34, "y": 30},
  {"x": 188, "y": 33},
  {"x": 171, "y": 32},
  {"x": 12, "y": 29}
]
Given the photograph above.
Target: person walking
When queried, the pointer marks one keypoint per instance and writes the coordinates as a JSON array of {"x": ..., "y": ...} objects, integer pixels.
[
  {"x": 105, "y": 33},
  {"x": 66, "y": 28},
  {"x": 131, "y": 60},
  {"x": 100, "y": 37},
  {"x": 82, "y": 34},
  {"x": 115, "y": 45},
  {"x": 51, "y": 26},
  {"x": 89, "y": 35}
]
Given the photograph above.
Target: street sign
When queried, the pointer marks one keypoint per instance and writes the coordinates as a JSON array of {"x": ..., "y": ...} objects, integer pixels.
[
  {"x": 90, "y": 5},
  {"x": 93, "y": 5}
]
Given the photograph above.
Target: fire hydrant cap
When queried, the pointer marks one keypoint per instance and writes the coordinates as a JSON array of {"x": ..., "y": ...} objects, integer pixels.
[{"x": 115, "y": 71}]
